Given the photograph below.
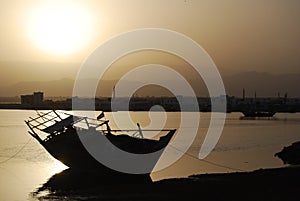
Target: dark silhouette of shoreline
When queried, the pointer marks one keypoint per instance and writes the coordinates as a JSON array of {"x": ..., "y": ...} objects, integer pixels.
[
  {"x": 263, "y": 184},
  {"x": 251, "y": 107}
]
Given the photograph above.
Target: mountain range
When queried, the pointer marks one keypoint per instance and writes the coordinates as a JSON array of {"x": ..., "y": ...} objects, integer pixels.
[{"x": 263, "y": 84}]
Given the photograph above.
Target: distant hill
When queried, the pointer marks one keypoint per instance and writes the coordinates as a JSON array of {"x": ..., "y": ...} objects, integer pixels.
[
  {"x": 264, "y": 84},
  {"x": 14, "y": 71},
  {"x": 61, "y": 87},
  {"x": 55, "y": 88}
]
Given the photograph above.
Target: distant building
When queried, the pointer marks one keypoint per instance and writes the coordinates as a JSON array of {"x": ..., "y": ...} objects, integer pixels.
[
  {"x": 38, "y": 98},
  {"x": 27, "y": 99},
  {"x": 34, "y": 99}
]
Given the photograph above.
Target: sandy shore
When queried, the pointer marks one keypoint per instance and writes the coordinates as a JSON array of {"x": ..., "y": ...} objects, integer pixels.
[{"x": 263, "y": 184}]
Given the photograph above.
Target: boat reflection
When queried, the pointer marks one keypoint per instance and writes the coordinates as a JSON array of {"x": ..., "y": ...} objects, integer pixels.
[{"x": 78, "y": 185}]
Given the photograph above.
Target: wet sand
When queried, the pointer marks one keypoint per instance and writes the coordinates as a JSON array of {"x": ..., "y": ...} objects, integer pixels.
[{"x": 263, "y": 184}]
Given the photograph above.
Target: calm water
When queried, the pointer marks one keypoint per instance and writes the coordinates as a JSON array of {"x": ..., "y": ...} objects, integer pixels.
[{"x": 244, "y": 145}]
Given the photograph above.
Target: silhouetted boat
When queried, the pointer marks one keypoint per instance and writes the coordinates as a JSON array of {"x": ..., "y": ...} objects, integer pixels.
[
  {"x": 61, "y": 133},
  {"x": 253, "y": 113}
]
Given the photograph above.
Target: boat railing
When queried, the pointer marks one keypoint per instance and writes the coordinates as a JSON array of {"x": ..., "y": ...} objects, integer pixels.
[{"x": 57, "y": 122}]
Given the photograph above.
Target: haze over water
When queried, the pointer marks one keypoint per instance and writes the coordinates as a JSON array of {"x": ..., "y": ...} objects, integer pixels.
[
  {"x": 253, "y": 43},
  {"x": 245, "y": 145}
]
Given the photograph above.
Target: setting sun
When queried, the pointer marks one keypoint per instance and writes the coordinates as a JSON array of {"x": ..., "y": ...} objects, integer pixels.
[{"x": 60, "y": 28}]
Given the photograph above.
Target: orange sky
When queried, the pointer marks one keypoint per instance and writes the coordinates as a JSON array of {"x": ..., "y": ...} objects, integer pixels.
[{"x": 240, "y": 35}]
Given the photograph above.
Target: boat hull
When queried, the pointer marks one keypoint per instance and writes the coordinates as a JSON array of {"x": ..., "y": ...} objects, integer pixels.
[{"x": 68, "y": 148}]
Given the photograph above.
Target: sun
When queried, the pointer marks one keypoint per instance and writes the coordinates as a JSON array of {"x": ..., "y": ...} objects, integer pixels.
[{"x": 60, "y": 27}]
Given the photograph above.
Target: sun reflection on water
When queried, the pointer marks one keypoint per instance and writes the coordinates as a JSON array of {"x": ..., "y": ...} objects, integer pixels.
[{"x": 58, "y": 166}]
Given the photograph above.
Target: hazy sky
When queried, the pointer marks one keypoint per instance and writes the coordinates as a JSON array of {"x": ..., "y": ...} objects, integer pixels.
[{"x": 240, "y": 35}]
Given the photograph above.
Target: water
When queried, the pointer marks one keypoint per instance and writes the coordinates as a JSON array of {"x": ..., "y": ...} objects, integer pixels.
[{"x": 245, "y": 145}]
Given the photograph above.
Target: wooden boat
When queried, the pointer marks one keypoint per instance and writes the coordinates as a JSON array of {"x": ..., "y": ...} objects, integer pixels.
[{"x": 61, "y": 139}]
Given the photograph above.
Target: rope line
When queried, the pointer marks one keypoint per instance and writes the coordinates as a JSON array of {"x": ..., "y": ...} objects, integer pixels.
[
  {"x": 206, "y": 161},
  {"x": 4, "y": 161}
]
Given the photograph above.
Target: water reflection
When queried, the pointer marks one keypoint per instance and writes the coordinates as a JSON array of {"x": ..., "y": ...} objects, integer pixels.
[
  {"x": 79, "y": 185},
  {"x": 58, "y": 167}
]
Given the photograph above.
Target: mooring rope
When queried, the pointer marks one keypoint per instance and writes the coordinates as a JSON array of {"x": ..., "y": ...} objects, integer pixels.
[
  {"x": 209, "y": 162},
  {"x": 14, "y": 155}
]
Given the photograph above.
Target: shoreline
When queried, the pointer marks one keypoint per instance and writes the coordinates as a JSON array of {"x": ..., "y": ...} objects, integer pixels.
[{"x": 261, "y": 184}]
